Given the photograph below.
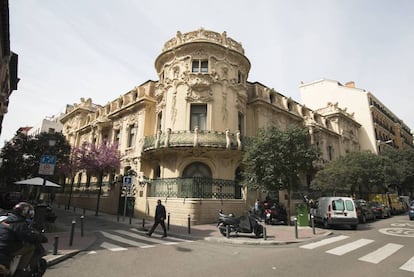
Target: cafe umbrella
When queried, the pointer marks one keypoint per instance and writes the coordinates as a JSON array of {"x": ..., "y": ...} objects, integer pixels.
[{"x": 40, "y": 183}]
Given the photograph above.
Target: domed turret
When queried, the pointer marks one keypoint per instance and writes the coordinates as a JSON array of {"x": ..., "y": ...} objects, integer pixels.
[{"x": 202, "y": 82}]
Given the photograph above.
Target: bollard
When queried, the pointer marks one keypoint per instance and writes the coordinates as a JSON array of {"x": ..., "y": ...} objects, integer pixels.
[
  {"x": 130, "y": 218},
  {"x": 143, "y": 222},
  {"x": 296, "y": 227},
  {"x": 189, "y": 221},
  {"x": 84, "y": 211},
  {"x": 264, "y": 233},
  {"x": 74, "y": 209},
  {"x": 82, "y": 218},
  {"x": 72, "y": 232},
  {"x": 227, "y": 231},
  {"x": 117, "y": 217},
  {"x": 313, "y": 224},
  {"x": 55, "y": 245},
  {"x": 168, "y": 222}
]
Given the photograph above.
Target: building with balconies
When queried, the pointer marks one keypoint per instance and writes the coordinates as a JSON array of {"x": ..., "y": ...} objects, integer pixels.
[
  {"x": 184, "y": 134},
  {"x": 380, "y": 126},
  {"x": 8, "y": 62}
]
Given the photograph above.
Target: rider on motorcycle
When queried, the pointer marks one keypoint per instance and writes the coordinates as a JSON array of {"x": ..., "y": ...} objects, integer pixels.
[{"x": 17, "y": 237}]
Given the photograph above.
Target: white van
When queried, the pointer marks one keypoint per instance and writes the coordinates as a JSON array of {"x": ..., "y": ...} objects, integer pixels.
[{"x": 335, "y": 210}]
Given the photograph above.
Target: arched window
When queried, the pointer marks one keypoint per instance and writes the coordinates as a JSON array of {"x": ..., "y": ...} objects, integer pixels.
[
  {"x": 202, "y": 185},
  {"x": 157, "y": 172},
  {"x": 238, "y": 177},
  {"x": 197, "y": 169}
]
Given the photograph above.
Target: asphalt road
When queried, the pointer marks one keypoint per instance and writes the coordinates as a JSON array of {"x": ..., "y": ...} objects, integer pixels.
[{"x": 381, "y": 248}]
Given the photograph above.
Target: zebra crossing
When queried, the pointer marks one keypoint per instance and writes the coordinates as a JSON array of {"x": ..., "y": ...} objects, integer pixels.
[
  {"x": 121, "y": 240},
  {"x": 375, "y": 257}
]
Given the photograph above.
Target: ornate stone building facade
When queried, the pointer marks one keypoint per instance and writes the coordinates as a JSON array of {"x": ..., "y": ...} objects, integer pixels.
[{"x": 184, "y": 133}]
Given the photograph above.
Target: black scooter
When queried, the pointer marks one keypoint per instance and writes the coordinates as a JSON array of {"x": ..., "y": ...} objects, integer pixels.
[
  {"x": 38, "y": 265},
  {"x": 249, "y": 223}
]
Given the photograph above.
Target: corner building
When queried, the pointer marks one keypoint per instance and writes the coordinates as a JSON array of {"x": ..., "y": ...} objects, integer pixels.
[{"x": 184, "y": 134}]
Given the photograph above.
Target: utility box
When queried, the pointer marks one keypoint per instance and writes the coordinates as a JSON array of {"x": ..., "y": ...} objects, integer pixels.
[{"x": 302, "y": 214}]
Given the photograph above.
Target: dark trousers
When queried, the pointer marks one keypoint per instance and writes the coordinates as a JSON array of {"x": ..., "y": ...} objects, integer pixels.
[{"x": 161, "y": 222}]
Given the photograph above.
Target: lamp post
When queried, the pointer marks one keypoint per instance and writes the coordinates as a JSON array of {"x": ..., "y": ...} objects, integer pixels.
[
  {"x": 46, "y": 166},
  {"x": 387, "y": 142}
]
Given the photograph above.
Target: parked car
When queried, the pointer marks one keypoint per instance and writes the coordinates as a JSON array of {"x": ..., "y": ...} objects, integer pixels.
[
  {"x": 364, "y": 212},
  {"x": 336, "y": 210},
  {"x": 379, "y": 209},
  {"x": 411, "y": 212}
]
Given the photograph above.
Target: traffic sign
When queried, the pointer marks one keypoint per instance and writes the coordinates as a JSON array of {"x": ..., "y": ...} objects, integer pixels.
[
  {"x": 47, "y": 165},
  {"x": 127, "y": 181},
  {"x": 48, "y": 159}
]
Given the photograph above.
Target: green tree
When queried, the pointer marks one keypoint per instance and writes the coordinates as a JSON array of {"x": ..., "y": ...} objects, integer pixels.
[
  {"x": 98, "y": 161},
  {"x": 356, "y": 172},
  {"x": 400, "y": 168},
  {"x": 16, "y": 160},
  {"x": 274, "y": 159},
  {"x": 21, "y": 155}
]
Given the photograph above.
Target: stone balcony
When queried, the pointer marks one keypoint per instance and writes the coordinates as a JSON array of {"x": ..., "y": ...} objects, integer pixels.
[{"x": 212, "y": 139}]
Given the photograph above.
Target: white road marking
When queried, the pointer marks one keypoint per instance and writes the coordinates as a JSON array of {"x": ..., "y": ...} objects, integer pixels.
[
  {"x": 323, "y": 242},
  {"x": 381, "y": 253},
  {"x": 126, "y": 241},
  {"x": 134, "y": 235},
  {"x": 341, "y": 250},
  {"x": 409, "y": 265},
  {"x": 112, "y": 247},
  {"x": 170, "y": 238}
]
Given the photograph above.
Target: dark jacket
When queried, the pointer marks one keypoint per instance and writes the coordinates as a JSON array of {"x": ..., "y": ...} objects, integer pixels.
[
  {"x": 160, "y": 213},
  {"x": 14, "y": 233}
]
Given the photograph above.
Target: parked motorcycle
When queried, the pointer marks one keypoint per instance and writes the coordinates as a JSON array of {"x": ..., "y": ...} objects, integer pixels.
[
  {"x": 275, "y": 214},
  {"x": 249, "y": 223}
]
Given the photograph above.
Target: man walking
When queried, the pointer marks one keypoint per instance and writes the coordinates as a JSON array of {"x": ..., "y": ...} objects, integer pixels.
[{"x": 159, "y": 219}]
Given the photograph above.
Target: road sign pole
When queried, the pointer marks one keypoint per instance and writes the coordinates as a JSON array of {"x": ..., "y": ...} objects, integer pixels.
[{"x": 125, "y": 203}]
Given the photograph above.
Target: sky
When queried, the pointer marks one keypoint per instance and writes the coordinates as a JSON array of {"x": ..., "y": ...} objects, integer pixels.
[{"x": 101, "y": 49}]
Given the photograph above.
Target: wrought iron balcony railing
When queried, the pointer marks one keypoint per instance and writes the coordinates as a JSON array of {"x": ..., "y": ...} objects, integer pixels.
[{"x": 195, "y": 187}]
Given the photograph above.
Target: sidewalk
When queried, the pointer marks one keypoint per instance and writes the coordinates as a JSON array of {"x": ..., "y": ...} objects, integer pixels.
[{"x": 275, "y": 234}]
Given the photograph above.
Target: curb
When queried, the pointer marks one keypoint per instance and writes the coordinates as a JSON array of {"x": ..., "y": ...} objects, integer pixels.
[
  {"x": 261, "y": 241},
  {"x": 55, "y": 259}
]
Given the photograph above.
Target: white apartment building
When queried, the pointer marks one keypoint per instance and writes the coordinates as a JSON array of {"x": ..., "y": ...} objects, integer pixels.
[{"x": 380, "y": 127}]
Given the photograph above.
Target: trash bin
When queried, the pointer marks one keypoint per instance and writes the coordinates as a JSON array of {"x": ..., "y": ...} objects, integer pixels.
[{"x": 302, "y": 214}]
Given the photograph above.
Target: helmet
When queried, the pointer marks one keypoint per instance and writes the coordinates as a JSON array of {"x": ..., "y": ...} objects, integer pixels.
[{"x": 24, "y": 209}]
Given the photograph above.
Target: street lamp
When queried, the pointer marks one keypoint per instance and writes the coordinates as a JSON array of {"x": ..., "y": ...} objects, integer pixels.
[
  {"x": 47, "y": 166},
  {"x": 387, "y": 142}
]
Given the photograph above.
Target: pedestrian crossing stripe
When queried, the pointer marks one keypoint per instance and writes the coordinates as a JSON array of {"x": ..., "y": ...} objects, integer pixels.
[
  {"x": 341, "y": 250},
  {"x": 126, "y": 241},
  {"x": 136, "y": 238},
  {"x": 409, "y": 265},
  {"x": 169, "y": 238},
  {"x": 112, "y": 247},
  {"x": 374, "y": 257},
  {"x": 134, "y": 235},
  {"x": 381, "y": 253},
  {"x": 323, "y": 242}
]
